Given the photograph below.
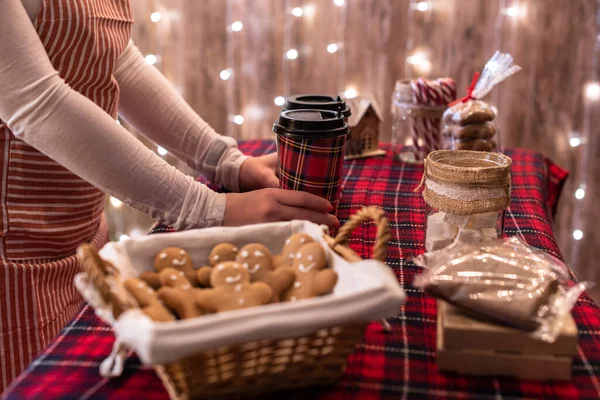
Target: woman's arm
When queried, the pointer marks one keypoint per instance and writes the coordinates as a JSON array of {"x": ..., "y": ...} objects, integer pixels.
[
  {"x": 41, "y": 109},
  {"x": 150, "y": 103}
]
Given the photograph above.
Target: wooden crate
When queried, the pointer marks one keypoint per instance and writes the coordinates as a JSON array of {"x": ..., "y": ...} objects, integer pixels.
[{"x": 472, "y": 347}]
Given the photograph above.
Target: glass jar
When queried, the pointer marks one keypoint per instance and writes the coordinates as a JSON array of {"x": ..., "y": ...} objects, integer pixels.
[
  {"x": 466, "y": 195},
  {"x": 404, "y": 147},
  {"x": 443, "y": 229},
  {"x": 415, "y": 126}
]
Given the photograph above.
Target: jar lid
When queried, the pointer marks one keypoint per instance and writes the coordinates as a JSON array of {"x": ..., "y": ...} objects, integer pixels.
[
  {"x": 311, "y": 123},
  {"x": 317, "y": 102}
]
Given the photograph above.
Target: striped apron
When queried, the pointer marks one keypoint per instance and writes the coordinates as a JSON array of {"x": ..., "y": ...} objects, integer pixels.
[{"x": 46, "y": 210}]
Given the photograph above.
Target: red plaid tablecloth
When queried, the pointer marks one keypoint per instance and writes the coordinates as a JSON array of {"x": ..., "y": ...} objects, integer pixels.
[{"x": 399, "y": 364}]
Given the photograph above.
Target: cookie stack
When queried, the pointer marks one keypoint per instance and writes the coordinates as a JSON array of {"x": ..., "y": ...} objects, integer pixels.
[
  {"x": 469, "y": 126},
  {"x": 234, "y": 279}
]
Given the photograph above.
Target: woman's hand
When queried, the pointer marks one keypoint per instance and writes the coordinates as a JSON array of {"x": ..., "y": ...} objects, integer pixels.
[
  {"x": 271, "y": 205},
  {"x": 259, "y": 173}
]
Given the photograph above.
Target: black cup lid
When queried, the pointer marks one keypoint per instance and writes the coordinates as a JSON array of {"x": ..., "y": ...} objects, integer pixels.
[
  {"x": 311, "y": 123},
  {"x": 317, "y": 102}
]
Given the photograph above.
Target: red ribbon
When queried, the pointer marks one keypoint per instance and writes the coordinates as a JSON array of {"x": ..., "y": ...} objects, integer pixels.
[{"x": 470, "y": 89}]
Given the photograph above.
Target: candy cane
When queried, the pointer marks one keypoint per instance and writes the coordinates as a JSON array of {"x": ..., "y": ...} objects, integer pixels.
[
  {"x": 429, "y": 134},
  {"x": 431, "y": 93},
  {"x": 427, "y": 97},
  {"x": 448, "y": 87}
]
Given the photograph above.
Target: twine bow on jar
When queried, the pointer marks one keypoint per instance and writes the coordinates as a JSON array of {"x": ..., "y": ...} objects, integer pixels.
[{"x": 464, "y": 182}]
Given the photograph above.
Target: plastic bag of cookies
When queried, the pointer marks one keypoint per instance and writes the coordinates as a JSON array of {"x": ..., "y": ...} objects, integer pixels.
[
  {"x": 468, "y": 124},
  {"x": 504, "y": 281}
]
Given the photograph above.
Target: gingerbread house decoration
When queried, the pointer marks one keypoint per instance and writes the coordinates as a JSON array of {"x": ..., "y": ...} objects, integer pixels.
[{"x": 365, "y": 123}]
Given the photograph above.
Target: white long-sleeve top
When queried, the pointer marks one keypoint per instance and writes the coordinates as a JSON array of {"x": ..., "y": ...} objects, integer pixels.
[{"x": 43, "y": 111}]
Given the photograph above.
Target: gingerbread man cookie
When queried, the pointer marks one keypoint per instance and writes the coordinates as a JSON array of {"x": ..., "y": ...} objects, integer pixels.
[
  {"x": 203, "y": 276},
  {"x": 221, "y": 253},
  {"x": 257, "y": 260},
  {"x": 151, "y": 278},
  {"x": 232, "y": 290},
  {"x": 181, "y": 301},
  {"x": 278, "y": 261},
  {"x": 172, "y": 277},
  {"x": 292, "y": 244},
  {"x": 176, "y": 258},
  {"x": 312, "y": 276},
  {"x": 147, "y": 300}
]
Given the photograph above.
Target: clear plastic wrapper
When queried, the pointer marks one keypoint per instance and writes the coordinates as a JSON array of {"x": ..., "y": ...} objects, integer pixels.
[
  {"x": 468, "y": 124},
  {"x": 504, "y": 281},
  {"x": 496, "y": 70}
]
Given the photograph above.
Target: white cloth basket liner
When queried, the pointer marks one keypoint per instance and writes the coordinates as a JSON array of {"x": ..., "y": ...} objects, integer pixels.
[{"x": 366, "y": 291}]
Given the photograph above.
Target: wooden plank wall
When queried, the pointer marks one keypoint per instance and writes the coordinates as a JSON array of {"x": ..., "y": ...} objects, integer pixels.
[{"x": 538, "y": 108}]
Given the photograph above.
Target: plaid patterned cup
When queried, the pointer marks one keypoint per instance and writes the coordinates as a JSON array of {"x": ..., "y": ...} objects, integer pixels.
[
  {"x": 321, "y": 102},
  {"x": 310, "y": 148}
]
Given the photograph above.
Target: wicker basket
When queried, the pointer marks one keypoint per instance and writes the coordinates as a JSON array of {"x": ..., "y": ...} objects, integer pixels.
[{"x": 257, "y": 366}]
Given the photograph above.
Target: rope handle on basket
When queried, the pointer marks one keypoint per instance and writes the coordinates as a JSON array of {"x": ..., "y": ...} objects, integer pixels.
[
  {"x": 381, "y": 240},
  {"x": 105, "y": 280},
  {"x": 383, "y": 230}
]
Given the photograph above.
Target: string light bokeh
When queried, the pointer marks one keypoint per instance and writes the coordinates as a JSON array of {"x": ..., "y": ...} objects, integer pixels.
[
  {"x": 295, "y": 50},
  {"x": 418, "y": 63}
]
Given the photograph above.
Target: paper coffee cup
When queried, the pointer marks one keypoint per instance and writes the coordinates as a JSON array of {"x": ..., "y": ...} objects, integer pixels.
[{"x": 310, "y": 149}]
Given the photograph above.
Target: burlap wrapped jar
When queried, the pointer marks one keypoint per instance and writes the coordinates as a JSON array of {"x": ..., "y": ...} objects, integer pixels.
[{"x": 466, "y": 193}]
